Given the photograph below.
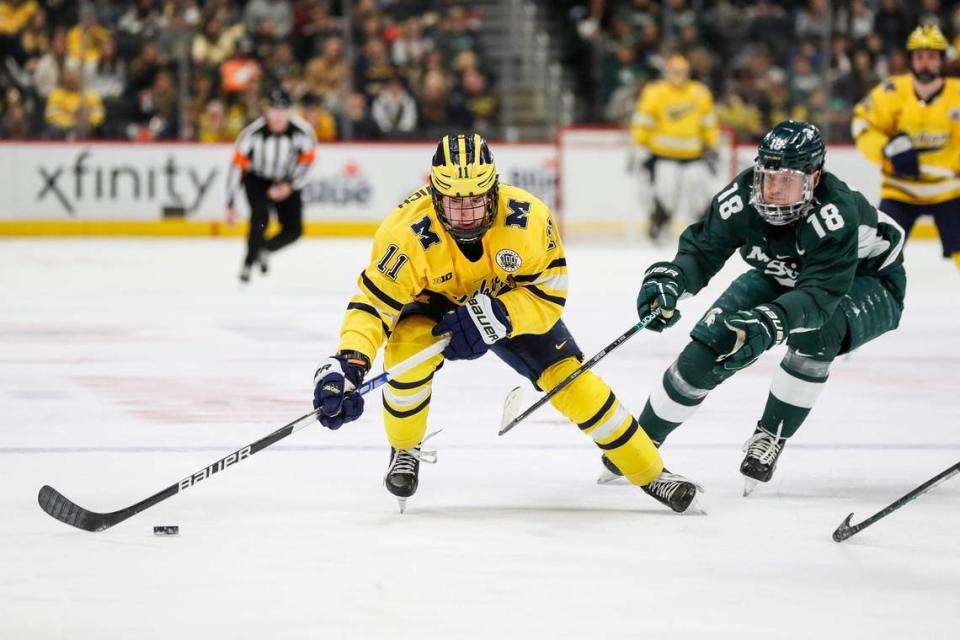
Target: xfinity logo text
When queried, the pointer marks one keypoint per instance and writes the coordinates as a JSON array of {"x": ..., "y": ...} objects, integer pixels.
[{"x": 98, "y": 179}]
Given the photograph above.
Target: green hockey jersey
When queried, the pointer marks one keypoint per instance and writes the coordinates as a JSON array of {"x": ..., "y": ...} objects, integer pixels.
[{"x": 815, "y": 259}]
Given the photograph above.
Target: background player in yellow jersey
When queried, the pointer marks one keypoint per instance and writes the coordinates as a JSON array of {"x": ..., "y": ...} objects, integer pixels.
[
  {"x": 910, "y": 126},
  {"x": 675, "y": 130},
  {"x": 482, "y": 262}
]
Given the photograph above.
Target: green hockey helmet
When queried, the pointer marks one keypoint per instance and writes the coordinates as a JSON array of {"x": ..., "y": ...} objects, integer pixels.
[{"x": 784, "y": 174}]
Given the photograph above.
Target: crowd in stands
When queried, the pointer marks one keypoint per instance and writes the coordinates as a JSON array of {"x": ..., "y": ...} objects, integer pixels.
[
  {"x": 199, "y": 69},
  {"x": 762, "y": 59}
]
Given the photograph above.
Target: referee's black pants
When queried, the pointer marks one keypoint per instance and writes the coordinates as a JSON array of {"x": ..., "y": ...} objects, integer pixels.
[{"x": 289, "y": 214}]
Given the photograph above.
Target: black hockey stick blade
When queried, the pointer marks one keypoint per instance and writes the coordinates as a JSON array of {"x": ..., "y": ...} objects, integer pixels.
[
  {"x": 845, "y": 530},
  {"x": 65, "y": 510}
]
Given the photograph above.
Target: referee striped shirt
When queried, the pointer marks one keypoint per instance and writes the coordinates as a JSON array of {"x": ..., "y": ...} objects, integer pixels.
[{"x": 278, "y": 157}]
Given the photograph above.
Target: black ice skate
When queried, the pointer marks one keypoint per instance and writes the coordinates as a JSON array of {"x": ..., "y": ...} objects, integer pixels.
[
  {"x": 403, "y": 472},
  {"x": 675, "y": 491},
  {"x": 245, "y": 274},
  {"x": 263, "y": 259},
  {"x": 763, "y": 450}
]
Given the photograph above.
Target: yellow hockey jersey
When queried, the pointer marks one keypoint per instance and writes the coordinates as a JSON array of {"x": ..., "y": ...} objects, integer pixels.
[
  {"x": 934, "y": 128},
  {"x": 523, "y": 265},
  {"x": 675, "y": 122}
]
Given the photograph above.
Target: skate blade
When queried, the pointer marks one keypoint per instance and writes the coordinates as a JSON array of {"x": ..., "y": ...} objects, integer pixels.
[
  {"x": 402, "y": 502},
  {"x": 611, "y": 478},
  {"x": 695, "y": 508},
  {"x": 749, "y": 484}
]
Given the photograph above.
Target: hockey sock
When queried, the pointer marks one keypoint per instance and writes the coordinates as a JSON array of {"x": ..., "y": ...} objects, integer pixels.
[
  {"x": 684, "y": 386},
  {"x": 956, "y": 259},
  {"x": 793, "y": 391},
  {"x": 590, "y": 403}
]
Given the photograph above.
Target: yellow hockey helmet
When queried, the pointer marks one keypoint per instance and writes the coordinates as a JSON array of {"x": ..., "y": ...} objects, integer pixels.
[
  {"x": 463, "y": 171},
  {"x": 927, "y": 36}
]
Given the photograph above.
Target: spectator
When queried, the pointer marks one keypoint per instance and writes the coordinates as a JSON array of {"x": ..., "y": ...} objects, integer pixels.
[
  {"x": 855, "y": 20},
  {"x": 34, "y": 40},
  {"x": 270, "y": 19},
  {"x": 15, "y": 15},
  {"x": 108, "y": 77},
  {"x": 475, "y": 107},
  {"x": 214, "y": 44},
  {"x": 456, "y": 34},
  {"x": 434, "y": 99},
  {"x": 373, "y": 69},
  {"x": 395, "y": 110},
  {"x": 142, "y": 22},
  {"x": 285, "y": 70},
  {"x": 326, "y": 75},
  {"x": 411, "y": 46},
  {"x": 72, "y": 112},
  {"x": 892, "y": 24},
  {"x": 159, "y": 109},
  {"x": 320, "y": 119},
  {"x": 858, "y": 83},
  {"x": 50, "y": 66},
  {"x": 241, "y": 69},
  {"x": 619, "y": 70},
  {"x": 805, "y": 80},
  {"x": 15, "y": 122},
  {"x": 313, "y": 26},
  {"x": 144, "y": 68},
  {"x": 213, "y": 125},
  {"x": 359, "y": 121},
  {"x": 85, "y": 40}
]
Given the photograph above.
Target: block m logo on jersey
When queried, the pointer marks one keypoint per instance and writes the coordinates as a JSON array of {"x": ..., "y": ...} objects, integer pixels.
[
  {"x": 518, "y": 214},
  {"x": 426, "y": 237}
]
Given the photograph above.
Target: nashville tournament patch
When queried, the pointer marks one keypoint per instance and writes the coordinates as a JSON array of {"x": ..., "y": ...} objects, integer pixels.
[{"x": 508, "y": 259}]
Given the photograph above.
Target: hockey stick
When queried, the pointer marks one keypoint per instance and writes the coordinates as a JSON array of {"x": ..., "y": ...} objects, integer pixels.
[
  {"x": 61, "y": 508},
  {"x": 846, "y": 530},
  {"x": 510, "y": 420}
]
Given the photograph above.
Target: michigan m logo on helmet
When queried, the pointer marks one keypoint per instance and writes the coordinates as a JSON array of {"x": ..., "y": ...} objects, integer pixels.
[{"x": 465, "y": 186}]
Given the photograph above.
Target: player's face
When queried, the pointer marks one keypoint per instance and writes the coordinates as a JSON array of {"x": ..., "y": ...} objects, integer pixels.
[
  {"x": 783, "y": 187},
  {"x": 466, "y": 213},
  {"x": 926, "y": 62},
  {"x": 277, "y": 119}
]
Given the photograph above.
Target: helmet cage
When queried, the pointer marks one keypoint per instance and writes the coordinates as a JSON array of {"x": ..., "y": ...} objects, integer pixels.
[
  {"x": 781, "y": 214},
  {"x": 473, "y": 234}
]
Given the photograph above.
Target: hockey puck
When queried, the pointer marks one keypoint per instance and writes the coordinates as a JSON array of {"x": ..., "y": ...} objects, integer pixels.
[{"x": 166, "y": 530}]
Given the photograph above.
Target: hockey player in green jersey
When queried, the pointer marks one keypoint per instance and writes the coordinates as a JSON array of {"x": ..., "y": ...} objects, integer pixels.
[{"x": 826, "y": 277}]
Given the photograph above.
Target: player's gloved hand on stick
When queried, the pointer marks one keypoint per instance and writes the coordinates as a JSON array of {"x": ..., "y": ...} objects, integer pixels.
[
  {"x": 757, "y": 330},
  {"x": 334, "y": 391},
  {"x": 662, "y": 286},
  {"x": 473, "y": 327},
  {"x": 902, "y": 156}
]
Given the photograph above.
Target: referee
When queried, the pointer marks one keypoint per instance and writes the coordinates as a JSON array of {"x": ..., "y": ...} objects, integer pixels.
[{"x": 271, "y": 160}]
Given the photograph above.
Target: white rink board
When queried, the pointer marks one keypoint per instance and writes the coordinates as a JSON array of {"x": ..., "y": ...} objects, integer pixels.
[
  {"x": 353, "y": 182},
  {"x": 127, "y": 364}
]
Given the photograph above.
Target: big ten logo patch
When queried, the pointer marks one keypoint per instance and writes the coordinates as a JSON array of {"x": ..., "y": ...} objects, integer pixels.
[{"x": 508, "y": 260}]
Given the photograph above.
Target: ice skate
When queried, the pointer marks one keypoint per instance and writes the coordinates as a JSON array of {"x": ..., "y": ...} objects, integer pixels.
[
  {"x": 245, "y": 274},
  {"x": 676, "y": 492},
  {"x": 763, "y": 450},
  {"x": 403, "y": 472},
  {"x": 263, "y": 260}
]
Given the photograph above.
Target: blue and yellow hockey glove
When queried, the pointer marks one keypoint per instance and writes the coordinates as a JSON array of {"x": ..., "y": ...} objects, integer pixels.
[
  {"x": 334, "y": 391},
  {"x": 473, "y": 327},
  {"x": 903, "y": 156}
]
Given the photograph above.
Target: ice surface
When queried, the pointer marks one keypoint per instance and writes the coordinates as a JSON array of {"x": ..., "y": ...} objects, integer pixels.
[{"x": 128, "y": 364}]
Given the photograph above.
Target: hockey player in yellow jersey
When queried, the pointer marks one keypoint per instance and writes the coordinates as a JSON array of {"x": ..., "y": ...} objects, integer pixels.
[
  {"x": 482, "y": 262},
  {"x": 910, "y": 126},
  {"x": 676, "y": 135}
]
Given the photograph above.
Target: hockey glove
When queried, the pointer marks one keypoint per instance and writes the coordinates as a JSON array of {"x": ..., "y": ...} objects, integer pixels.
[
  {"x": 334, "y": 388},
  {"x": 662, "y": 286},
  {"x": 479, "y": 323},
  {"x": 638, "y": 159},
  {"x": 903, "y": 156},
  {"x": 756, "y": 330}
]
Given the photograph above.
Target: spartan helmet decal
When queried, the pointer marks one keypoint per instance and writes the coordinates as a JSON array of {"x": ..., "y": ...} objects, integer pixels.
[{"x": 465, "y": 186}]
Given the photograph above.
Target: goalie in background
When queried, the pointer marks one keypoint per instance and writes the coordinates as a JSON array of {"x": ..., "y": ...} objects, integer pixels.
[
  {"x": 482, "y": 262},
  {"x": 910, "y": 126},
  {"x": 676, "y": 135}
]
